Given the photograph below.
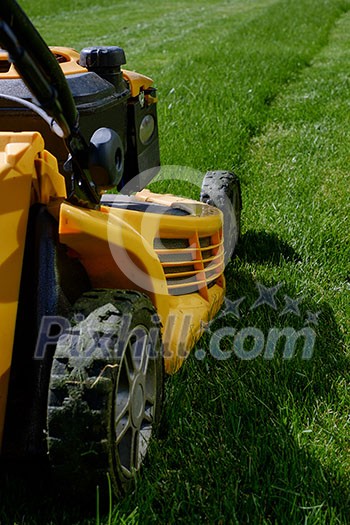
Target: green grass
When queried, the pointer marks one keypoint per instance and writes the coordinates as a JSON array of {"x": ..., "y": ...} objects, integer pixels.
[{"x": 261, "y": 87}]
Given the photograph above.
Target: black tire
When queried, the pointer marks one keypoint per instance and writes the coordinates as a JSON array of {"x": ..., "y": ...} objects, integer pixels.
[
  {"x": 105, "y": 392},
  {"x": 222, "y": 190}
]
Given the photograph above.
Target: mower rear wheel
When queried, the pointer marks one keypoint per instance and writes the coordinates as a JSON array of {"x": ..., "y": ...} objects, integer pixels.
[
  {"x": 105, "y": 392},
  {"x": 222, "y": 190}
]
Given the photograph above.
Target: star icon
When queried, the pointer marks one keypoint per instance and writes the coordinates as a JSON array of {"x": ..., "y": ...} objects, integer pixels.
[
  {"x": 312, "y": 318},
  {"x": 266, "y": 296},
  {"x": 292, "y": 306},
  {"x": 232, "y": 307}
]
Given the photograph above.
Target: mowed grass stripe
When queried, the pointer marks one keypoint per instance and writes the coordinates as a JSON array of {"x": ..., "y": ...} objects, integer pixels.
[
  {"x": 218, "y": 65},
  {"x": 299, "y": 169},
  {"x": 145, "y": 34}
]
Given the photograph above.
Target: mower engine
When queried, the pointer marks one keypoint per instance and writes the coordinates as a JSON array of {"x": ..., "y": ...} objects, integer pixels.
[{"x": 113, "y": 105}]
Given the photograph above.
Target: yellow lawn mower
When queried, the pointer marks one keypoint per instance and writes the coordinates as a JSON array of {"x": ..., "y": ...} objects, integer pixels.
[{"x": 100, "y": 293}]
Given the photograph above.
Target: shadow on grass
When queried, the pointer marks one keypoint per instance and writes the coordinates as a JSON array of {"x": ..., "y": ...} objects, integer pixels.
[
  {"x": 254, "y": 441},
  {"x": 241, "y": 441},
  {"x": 263, "y": 247},
  {"x": 29, "y": 496}
]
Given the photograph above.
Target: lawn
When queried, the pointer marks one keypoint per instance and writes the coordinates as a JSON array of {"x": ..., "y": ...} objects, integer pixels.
[{"x": 260, "y": 87}]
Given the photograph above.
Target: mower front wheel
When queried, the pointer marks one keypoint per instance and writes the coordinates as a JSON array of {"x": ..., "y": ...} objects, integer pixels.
[
  {"x": 105, "y": 392},
  {"x": 222, "y": 190}
]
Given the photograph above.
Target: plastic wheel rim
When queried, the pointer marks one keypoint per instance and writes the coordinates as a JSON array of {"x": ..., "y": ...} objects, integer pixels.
[{"x": 135, "y": 400}]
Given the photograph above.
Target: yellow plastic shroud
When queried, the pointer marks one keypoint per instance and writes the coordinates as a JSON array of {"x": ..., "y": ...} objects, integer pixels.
[
  {"x": 28, "y": 174},
  {"x": 176, "y": 259}
]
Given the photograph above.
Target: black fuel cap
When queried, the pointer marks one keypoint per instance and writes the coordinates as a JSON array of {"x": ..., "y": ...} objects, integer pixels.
[{"x": 102, "y": 57}]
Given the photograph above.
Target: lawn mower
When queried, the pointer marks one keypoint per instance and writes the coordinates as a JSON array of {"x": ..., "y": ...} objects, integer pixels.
[{"x": 100, "y": 292}]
